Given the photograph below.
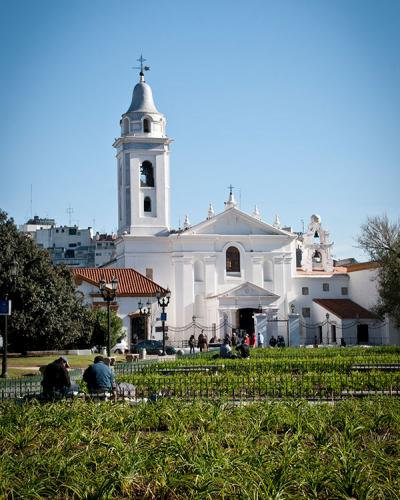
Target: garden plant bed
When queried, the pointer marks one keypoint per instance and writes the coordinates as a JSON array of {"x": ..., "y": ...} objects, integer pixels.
[
  {"x": 270, "y": 373},
  {"x": 198, "y": 450}
]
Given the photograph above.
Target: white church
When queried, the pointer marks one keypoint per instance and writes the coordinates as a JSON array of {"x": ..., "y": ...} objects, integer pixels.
[{"x": 232, "y": 268}]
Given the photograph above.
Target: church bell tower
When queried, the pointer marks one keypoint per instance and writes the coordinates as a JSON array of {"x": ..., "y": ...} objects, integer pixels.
[{"x": 143, "y": 165}]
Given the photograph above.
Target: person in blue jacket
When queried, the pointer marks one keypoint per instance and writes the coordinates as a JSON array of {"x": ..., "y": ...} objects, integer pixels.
[{"x": 98, "y": 376}]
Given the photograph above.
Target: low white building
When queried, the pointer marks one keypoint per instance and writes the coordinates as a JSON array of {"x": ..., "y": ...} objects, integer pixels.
[
  {"x": 232, "y": 270},
  {"x": 132, "y": 289}
]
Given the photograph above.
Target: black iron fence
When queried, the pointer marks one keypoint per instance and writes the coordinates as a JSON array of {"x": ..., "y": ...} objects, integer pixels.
[{"x": 236, "y": 380}]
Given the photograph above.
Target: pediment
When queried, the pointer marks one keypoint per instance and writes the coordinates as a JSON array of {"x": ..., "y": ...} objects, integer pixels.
[
  {"x": 235, "y": 222},
  {"x": 249, "y": 290}
]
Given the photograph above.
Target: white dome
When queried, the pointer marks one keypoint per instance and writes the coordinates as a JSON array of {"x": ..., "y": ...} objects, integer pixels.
[{"x": 142, "y": 99}]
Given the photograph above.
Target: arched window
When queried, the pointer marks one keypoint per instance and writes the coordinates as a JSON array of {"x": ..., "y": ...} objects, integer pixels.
[
  {"x": 146, "y": 125},
  {"x": 147, "y": 204},
  {"x": 232, "y": 260},
  {"x": 146, "y": 174},
  {"x": 125, "y": 126}
]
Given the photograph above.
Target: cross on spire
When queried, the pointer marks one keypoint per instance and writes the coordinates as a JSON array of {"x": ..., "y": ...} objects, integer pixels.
[
  {"x": 231, "y": 200},
  {"x": 142, "y": 67}
]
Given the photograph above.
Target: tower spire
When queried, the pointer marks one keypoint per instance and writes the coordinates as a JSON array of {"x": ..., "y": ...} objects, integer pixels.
[
  {"x": 142, "y": 67},
  {"x": 231, "y": 200}
]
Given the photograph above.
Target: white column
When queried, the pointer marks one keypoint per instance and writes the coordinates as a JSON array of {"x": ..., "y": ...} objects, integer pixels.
[
  {"x": 184, "y": 289},
  {"x": 279, "y": 275},
  {"x": 257, "y": 270},
  {"x": 210, "y": 275}
]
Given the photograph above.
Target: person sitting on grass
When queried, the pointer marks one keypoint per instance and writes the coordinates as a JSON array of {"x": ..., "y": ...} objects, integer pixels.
[
  {"x": 56, "y": 381},
  {"x": 99, "y": 377},
  {"x": 225, "y": 350},
  {"x": 243, "y": 350}
]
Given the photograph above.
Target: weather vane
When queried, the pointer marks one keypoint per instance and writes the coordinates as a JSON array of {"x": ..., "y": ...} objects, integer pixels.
[{"x": 142, "y": 68}]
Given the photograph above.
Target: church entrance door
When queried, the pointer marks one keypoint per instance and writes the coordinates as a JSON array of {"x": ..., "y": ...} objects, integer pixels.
[
  {"x": 246, "y": 321},
  {"x": 362, "y": 334},
  {"x": 138, "y": 329}
]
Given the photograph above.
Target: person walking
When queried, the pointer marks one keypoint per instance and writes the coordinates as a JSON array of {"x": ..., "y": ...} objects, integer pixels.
[
  {"x": 253, "y": 340},
  {"x": 202, "y": 342},
  {"x": 246, "y": 339},
  {"x": 234, "y": 339},
  {"x": 260, "y": 339},
  {"x": 192, "y": 343},
  {"x": 56, "y": 381}
]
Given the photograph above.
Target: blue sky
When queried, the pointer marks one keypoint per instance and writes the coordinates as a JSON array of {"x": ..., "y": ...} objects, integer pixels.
[{"x": 296, "y": 103}]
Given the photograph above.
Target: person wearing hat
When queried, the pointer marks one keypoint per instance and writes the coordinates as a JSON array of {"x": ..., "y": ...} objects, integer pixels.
[{"x": 56, "y": 381}]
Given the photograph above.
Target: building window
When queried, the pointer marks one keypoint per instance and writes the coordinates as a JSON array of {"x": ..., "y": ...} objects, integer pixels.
[
  {"x": 325, "y": 287},
  {"x": 128, "y": 205},
  {"x": 333, "y": 334},
  {"x": 147, "y": 204},
  {"x": 146, "y": 174},
  {"x": 127, "y": 166},
  {"x": 304, "y": 290},
  {"x": 306, "y": 312},
  {"x": 125, "y": 126},
  {"x": 146, "y": 126},
  {"x": 345, "y": 290},
  {"x": 149, "y": 273},
  {"x": 232, "y": 260}
]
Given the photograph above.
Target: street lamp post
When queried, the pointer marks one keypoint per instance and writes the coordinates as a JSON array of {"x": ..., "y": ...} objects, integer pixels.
[
  {"x": 108, "y": 292},
  {"x": 7, "y": 303},
  {"x": 145, "y": 312},
  {"x": 163, "y": 303},
  {"x": 327, "y": 328}
]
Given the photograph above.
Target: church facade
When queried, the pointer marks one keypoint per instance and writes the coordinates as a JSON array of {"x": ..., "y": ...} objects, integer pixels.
[{"x": 233, "y": 268}]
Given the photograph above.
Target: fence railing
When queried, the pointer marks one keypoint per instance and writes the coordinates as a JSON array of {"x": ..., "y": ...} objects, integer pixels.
[
  {"x": 19, "y": 387},
  {"x": 238, "y": 380}
]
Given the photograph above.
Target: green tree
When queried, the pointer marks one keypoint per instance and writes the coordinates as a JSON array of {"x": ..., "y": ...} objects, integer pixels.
[
  {"x": 46, "y": 311},
  {"x": 380, "y": 238},
  {"x": 100, "y": 328}
]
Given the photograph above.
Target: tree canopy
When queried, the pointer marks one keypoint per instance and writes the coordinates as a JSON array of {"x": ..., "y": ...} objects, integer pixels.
[
  {"x": 100, "y": 328},
  {"x": 380, "y": 238},
  {"x": 46, "y": 311}
]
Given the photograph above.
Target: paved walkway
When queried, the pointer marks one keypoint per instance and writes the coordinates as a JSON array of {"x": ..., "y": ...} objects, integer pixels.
[{"x": 27, "y": 368}]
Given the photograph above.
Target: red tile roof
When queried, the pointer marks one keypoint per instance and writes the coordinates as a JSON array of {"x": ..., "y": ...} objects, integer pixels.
[
  {"x": 345, "y": 308},
  {"x": 361, "y": 266},
  {"x": 130, "y": 282},
  {"x": 340, "y": 270}
]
